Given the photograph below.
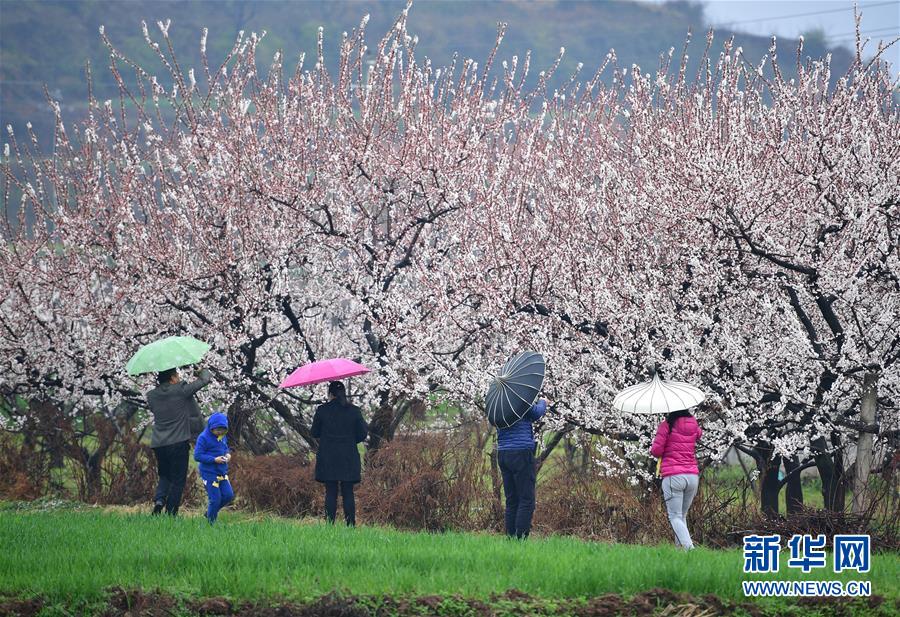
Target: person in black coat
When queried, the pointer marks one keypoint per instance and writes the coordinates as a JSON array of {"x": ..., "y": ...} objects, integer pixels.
[{"x": 338, "y": 426}]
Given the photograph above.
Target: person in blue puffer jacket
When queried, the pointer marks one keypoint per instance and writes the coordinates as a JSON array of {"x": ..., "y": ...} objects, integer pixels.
[
  {"x": 515, "y": 452},
  {"x": 211, "y": 451}
]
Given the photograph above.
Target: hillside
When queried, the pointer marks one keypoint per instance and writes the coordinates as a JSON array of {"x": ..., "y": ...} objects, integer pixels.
[{"x": 49, "y": 42}]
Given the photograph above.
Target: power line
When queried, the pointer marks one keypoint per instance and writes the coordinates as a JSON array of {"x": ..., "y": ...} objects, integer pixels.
[
  {"x": 895, "y": 29},
  {"x": 850, "y": 39},
  {"x": 780, "y": 17}
]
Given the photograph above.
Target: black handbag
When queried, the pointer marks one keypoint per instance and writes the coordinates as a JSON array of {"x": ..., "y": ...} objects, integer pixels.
[{"x": 197, "y": 424}]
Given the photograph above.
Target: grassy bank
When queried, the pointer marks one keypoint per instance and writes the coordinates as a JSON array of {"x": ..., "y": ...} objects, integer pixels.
[{"x": 79, "y": 555}]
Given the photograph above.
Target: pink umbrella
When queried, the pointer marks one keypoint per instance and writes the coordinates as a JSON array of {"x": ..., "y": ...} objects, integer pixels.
[{"x": 323, "y": 370}]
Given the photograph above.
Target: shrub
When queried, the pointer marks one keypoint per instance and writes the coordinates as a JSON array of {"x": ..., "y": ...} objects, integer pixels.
[
  {"x": 577, "y": 500},
  {"x": 127, "y": 472},
  {"x": 572, "y": 500},
  {"x": 277, "y": 483},
  {"x": 434, "y": 482},
  {"x": 24, "y": 470}
]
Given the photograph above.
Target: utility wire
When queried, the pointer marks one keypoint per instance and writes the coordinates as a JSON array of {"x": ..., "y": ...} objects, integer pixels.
[
  {"x": 892, "y": 29},
  {"x": 875, "y": 34},
  {"x": 780, "y": 17},
  {"x": 884, "y": 33},
  {"x": 852, "y": 39}
]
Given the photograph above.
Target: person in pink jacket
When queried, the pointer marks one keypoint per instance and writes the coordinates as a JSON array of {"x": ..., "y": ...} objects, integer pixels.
[{"x": 675, "y": 443}]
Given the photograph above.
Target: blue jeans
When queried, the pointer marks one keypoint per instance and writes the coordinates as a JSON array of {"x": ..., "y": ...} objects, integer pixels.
[
  {"x": 679, "y": 491},
  {"x": 519, "y": 476},
  {"x": 220, "y": 493}
]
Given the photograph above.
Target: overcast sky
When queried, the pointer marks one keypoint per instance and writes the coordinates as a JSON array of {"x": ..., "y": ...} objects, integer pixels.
[{"x": 790, "y": 18}]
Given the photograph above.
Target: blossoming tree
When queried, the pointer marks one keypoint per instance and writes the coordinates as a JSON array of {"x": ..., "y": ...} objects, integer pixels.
[{"x": 737, "y": 229}]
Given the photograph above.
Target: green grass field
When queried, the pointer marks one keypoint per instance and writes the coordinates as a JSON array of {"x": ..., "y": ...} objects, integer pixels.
[{"x": 66, "y": 556}]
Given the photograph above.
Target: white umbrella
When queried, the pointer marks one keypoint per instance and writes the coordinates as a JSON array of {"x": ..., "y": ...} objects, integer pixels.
[{"x": 658, "y": 396}]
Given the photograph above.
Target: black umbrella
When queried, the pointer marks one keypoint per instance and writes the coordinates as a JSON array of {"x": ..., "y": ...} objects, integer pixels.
[{"x": 513, "y": 392}]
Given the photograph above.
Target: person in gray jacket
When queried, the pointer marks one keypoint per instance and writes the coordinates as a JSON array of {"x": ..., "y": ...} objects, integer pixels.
[{"x": 176, "y": 419}]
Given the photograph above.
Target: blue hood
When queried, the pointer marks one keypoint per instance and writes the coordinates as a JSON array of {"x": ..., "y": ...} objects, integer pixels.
[
  {"x": 209, "y": 447},
  {"x": 217, "y": 420}
]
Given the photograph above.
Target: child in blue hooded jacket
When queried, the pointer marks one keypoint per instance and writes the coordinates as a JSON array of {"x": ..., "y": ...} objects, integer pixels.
[{"x": 211, "y": 451}]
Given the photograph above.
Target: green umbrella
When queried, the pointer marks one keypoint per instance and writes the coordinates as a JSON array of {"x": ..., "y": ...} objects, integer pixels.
[{"x": 167, "y": 353}]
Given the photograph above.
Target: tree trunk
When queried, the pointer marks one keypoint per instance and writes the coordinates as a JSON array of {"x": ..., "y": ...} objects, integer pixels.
[
  {"x": 794, "y": 494},
  {"x": 105, "y": 432},
  {"x": 415, "y": 408},
  {"x": 770, "y": 487},
  {"x": 570, "y": 449},
  {"x": 864, "y": 443},
  {"x": 747, "y": 475},
  {"x": 831, "y": 471},
  {"x": 769, "y": 484},
  {"x": 242, "y": 430},
  {"x": 551, "y": 445},
  {"x": 380, "y": 425},
  {"x": 255, "y": 441},
  {"x": 586, "y": 453},
  {"x": 840, "y": 493},
  {"x": 295, "y": 421}
]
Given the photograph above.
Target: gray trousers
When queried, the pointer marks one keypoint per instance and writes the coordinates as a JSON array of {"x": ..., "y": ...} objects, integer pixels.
[{"x": 679, "y": 492}]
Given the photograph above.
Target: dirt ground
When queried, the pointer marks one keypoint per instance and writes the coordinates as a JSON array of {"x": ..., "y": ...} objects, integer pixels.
[{"x": 655, "y": 602}]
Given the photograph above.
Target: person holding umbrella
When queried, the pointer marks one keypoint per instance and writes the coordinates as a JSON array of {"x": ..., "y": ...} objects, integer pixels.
[
  {"x": 339, "y": 426},
  {"x": 674, "y": 445},
  {"x": 516, "y": 448},
  {"x": 512, "y": 407},
  {"x": 176, "y": 414}
]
